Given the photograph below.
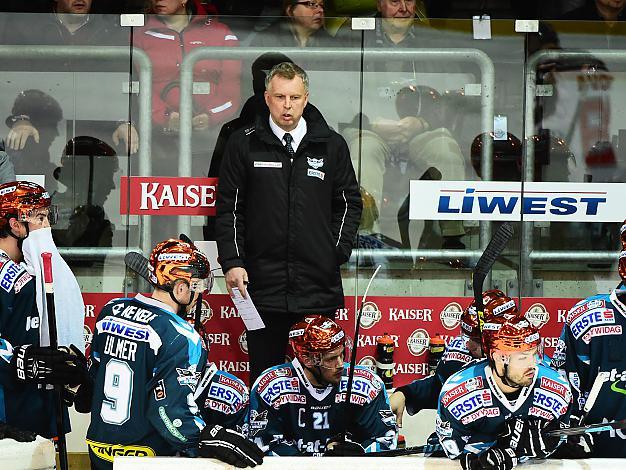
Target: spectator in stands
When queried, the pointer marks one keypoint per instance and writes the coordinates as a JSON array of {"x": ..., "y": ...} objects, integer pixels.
[
  {"x": 302, "y": 26},
  {"x": 387, "y": 135},
  {"x": 599, "y": 10},
  {"x": 175, "y": 29},
  {"x": 7, "y": 171},
  {"x": 69, "y": 23}
]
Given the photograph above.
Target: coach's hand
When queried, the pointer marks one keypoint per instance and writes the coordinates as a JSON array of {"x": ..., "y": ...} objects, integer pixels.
[
  {"x": 237, "y": 277},
  {"x": 229, "y": 446}
]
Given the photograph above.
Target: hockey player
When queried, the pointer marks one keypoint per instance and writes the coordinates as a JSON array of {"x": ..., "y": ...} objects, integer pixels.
[
  {"x": 460, "y": 351},
  {"x": 26, "y": 366},
  {"x": 146, "y": 363},
  {"x": 298, "y": 408},
  {"x": 492, "y": 414},
  {"x": 591, "y": 348}
]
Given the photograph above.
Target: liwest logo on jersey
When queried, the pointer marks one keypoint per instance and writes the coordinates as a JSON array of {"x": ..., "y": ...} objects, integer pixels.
[
  {"x": 591, "y": 318},
  {"x": 550, "y": 402},
  {"x": 497, "y": 200}
]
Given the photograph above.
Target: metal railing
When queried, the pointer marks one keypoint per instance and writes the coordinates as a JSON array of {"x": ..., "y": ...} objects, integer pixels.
[
  {"x": 526, "y": 269},
  {"x": 473, "y": 56},
  {"x": 142, "y": 63}
]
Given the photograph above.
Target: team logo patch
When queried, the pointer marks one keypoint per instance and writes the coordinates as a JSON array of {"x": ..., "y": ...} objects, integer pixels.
[
  {"x": 443, "y": 428},
  {"x": 316, "y": 163},
  {"x": 602, "y": 331},
  {"x": 451, "y": 315},
  {"x": 418, "y": 342},
  {"x": 258, "y": 422},
  {"x": 188, "y": 377},
  {"x": 388, "y": 417},
  {"x": 370, "y": 315},
  {"x": 461, "y": 390},
  {"x": 159, "y": 390},
  {"x": 87, "y": 335},
  {"x": 21, "y": 282},
  {"x": 537, "y": 315}
]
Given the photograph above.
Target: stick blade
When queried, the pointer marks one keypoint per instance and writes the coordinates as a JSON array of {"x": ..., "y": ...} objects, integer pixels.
[
  {"x": 495, "y": 247},
  {"x": 138, "y": 263}
]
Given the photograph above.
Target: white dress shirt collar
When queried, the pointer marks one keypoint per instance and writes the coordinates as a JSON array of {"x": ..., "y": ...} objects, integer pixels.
[{"x": 298, "y": 133}]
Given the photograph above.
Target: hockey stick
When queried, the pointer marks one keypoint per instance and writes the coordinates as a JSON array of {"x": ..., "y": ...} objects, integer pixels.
[
  {"x": 425, "y": 449},
  {"x": 353, "y": 355},
  {"x": 588, "y": 428},
  {"x": 138, "y": 263},
  {"x": 485, "y": 263},
  {"x": 46, "y": 260}
]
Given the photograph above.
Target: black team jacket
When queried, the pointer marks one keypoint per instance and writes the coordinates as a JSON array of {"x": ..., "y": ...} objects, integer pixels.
[{"x": 290, "y": 225}]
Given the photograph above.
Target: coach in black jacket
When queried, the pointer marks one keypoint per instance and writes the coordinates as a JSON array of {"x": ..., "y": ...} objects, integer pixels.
[{"x": 287, "y": 213}]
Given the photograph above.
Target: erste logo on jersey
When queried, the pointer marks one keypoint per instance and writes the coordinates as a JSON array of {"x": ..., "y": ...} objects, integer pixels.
[
  {"x": 537, "y": 315},
  {"x": 451, "y": 315},
  {"x": 550, "y": 401},
  {"x": 9, "y": 274},
  {"x": 598, "y": 316},
  {"x": 418, "y": 342},
  {"x": 584, "y": 307},
  {"x": 461, "y": 390},
  {"x": 226, "y": 394},
  {"x": 278, "y": 386},
  {"x": 370, "y": 315},
  {"x": 471, "y": 402}
]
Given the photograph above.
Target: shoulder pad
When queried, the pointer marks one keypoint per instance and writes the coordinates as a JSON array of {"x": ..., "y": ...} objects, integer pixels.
[
  {"x": 590, "y": 303},
  {"x": 552, "y": 395}
]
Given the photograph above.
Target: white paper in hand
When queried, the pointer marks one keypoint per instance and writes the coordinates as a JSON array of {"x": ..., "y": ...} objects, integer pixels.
[{"x": 247, "y": 311}]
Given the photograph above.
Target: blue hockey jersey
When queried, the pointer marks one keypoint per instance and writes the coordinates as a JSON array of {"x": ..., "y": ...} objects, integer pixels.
[
  {"x": 289, "y": 416},
  {"x": 27, "y": 406},
  {"x": 146, "y": 362},
  {"x": 591, "y": 347},
  {"x": 472, "y": 408},
  {"x": 223, "y": 399},
  {"x": 424, "y": 393}
]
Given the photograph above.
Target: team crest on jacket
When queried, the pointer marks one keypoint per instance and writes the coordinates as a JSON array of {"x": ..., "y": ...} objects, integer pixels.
[{"x": 315, "y": 163}]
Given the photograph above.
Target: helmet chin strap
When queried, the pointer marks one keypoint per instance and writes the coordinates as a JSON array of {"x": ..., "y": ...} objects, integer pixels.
[
  {"x": 181, "y": 306},
  {"x": 503, "y": 377}
]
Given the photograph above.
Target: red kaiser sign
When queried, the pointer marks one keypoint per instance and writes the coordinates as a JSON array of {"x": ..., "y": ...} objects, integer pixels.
[{"x": 155, "y": 195}]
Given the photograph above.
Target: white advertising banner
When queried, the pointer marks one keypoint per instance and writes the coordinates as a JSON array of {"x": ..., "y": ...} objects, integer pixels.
[{"x": 504, "y": 200}]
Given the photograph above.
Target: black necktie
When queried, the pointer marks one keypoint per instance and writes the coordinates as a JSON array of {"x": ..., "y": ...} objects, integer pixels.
[{"x": 288, "y": 140}]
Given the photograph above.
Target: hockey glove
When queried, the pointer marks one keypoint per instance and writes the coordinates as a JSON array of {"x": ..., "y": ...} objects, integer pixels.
[
  {"x": 79, "y": 362},
  {"x": 229, "y": 446},
  {"x": 469, "y": 461},
  {"x": 497, "y": 459},
  {"x": 43, "y": 365},
  {"x": 10, "y": 432},
  {"x": 83, "y": 397},
  {"x": 340, "y": 446},
  {"x": 575, "y": 447}
]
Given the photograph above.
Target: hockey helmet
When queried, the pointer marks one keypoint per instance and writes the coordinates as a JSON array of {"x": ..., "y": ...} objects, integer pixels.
[
  {"x": 469, "y": 318},
  {"x": 510, "y": 335},
  {"x": 175, "y": 259},
  {"x": 314, "y": 336},
  {"x": 21, "y": 199}
]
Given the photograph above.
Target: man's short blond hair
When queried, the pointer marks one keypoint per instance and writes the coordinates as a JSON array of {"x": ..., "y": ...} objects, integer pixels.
[{"x": 287, "y": 70}]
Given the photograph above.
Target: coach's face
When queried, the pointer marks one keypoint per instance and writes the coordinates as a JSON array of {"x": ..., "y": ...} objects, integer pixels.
[{"x": 286, "y": 99}]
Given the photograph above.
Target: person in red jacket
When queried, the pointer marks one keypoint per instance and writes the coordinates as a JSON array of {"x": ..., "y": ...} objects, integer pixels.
[{"x": 173, "y": 30}]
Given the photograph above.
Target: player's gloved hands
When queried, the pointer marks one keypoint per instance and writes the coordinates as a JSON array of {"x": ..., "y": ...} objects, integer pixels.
[
  {"x": 343, "y": 446},
  {"x": 497, "y": 458},
  {"x": 83, "y": 397},
  {"x": 575, "y": 447},
  {"x": 229, "y": 446},
  {"x": 10, "y": 432},
  {"x": 79, "y": 362},
  {"x": 44, "y": 365},
  {"x": 469, "y": 461},
  {"x": 541, "y": 445}
]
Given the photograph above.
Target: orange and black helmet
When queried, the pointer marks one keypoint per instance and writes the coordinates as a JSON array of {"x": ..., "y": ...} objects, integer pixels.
[
  {"x": 175, "y": 259},
  {"x": 510, "y": 335},
  {"x": 315, "y": 335},
  {"x": 469, "y": 318},
  {"x": 18, "y": 199}
]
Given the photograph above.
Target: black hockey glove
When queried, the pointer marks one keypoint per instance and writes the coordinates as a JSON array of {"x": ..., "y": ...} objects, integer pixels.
[
  {"x": 469, "y": 461},
  {"x": 497, "y": 458},
  {"x": 44, "y": 365},
  {"x": 10, "y": 432},
  {"x": 83, "y": 397},
  {"x": 229, "y": 446},
  {"x": 526, "y": 437},
  {"x": 340, "y": 446},
  {"x": 575, "y": 447}
]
